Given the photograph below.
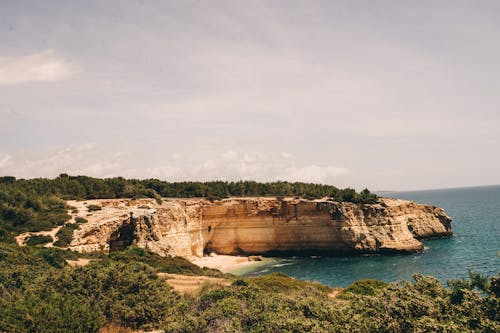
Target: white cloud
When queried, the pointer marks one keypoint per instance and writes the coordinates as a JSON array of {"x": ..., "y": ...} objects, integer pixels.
[
  {"x": 45, "y": 66},
  {"x": 86, "y": 159},
  {"x": 234, "y": 165},
  {"x": 92, "y": 160}
]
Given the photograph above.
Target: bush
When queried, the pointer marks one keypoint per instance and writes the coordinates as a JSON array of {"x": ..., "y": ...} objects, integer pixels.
[
  {"x": 93, "y": 208},
  {"x": 40, "y": 293},
  {"x": 39, "y": 240},
  {"x": 129, "y": 294},
  {"x": 79, "y": 219},
  {"x": 421, "y": 306},
  {"x": 167, "y": 264},
  {"x": 65, "y": 235},
  {"x": 53, "y": 258},
  {"x": 83, "y": 299},
  {"x": 279, "y": 282},
  {"x": 365, "y": 287}
]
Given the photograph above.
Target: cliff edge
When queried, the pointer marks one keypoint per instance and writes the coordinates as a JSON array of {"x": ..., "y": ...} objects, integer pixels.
[{"x": 193, "y": 227}]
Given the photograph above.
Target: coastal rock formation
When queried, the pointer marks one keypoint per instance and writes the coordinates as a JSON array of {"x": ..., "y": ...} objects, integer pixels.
[{"x": 192, "y": 227}]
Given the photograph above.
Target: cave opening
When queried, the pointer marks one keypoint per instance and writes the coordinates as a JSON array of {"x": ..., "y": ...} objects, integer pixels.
[
  {"x": 122, "y": 237},
  {"x": 207, "y": 250}
]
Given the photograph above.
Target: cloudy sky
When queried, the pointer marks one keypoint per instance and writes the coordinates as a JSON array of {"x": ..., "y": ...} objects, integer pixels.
[{"x": 389, "y": 95}]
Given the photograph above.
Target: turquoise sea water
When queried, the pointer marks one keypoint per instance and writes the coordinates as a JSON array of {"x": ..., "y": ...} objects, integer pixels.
[{"x": 475, "y": 245}]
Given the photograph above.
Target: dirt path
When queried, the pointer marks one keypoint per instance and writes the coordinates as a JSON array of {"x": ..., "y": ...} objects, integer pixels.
[
  {"x": 335, "y": 292},
  {"x": 184, "y": 284},
  {"x": 187, "y": 284},
  {"x": 21, "y": 239},
  {"x": 79, "y": 262}
]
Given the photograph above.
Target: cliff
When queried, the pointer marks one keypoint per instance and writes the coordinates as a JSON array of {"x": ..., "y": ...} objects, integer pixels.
[{"x": 192, "y": 227}]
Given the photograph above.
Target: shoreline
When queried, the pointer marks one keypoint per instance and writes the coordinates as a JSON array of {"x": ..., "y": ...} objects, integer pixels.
[{"x": 237, "y": 265}]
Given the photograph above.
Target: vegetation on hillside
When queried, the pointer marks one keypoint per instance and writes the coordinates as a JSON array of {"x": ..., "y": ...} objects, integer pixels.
[
  {"x": 40, "y": 293},
  {"x": 82, "y": 187},
  {"x": 80, "y": 219},
  {"x": 24, "y": 208},
  {"x": 38, "y": 204},
  {"x": 39, "y": 240},
  {"x": 65, "y": 234},
  {"x": 167, "y": 264}
]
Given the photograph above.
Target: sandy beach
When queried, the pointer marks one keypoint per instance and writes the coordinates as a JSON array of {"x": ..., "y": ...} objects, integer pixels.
[{"x": 227, "y": 263}]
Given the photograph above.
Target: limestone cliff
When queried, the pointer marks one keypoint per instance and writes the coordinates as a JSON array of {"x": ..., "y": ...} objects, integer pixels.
[{"x": 191, "y": 227}]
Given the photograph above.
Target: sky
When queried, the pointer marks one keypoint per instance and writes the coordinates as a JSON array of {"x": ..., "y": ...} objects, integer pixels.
[{"x": 389, "y": 95}]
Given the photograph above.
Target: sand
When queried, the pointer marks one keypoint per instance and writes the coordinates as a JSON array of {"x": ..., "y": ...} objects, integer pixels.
[{"x": 227, "y": 263}]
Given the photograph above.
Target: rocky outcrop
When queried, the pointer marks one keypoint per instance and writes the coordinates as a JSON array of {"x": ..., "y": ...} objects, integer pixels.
[{"x": 192, "y": 227}]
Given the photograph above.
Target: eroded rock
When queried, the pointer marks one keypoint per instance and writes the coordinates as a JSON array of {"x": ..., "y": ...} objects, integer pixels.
[{"x": 192, "y": 227}]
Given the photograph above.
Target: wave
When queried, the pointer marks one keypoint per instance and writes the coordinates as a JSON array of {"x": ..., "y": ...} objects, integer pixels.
[{"x": 282, "y": 264}]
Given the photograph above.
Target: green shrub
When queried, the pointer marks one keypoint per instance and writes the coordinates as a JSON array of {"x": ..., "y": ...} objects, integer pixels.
[
  {"x": 39, "y": 240},
  {"x": 279, "y": 282},
  {"x": 6, "y": 236},
  {"x": 495, "y": 286},
  {"x": 65, "y": 235},
  {"x": 167, "y": 264},
  {"x": 365, "y": 287},
  {"x": 24, "y": 210},
  {"x": 127, "y": 293},
  {"x": 40, "y": 293},
  {"x": 421, "y": 306},
  {"x": 93, "y": 208},
  {"x": 79, "y": 219},
  {"x": 53, "y": 258},
  {"x": 83, "y": 299}
]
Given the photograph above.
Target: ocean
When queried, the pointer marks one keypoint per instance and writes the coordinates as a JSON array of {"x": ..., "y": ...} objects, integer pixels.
[{"x": 475, "y": 246}]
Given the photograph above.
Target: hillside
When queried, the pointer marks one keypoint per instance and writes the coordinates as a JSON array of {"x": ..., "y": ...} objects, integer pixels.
[{"x": 131, "y": 288}]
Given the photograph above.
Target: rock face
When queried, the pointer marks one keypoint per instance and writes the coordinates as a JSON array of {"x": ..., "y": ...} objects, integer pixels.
[{"x": 192, "y": 227}]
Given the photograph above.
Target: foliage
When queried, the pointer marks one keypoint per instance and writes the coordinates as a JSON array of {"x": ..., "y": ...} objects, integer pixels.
[
  {"x": 130, "y": 294},
  {"x": 39, "y": 292},
  {"x": 39, "y": 240},
  {"x": 26, "y": 209},
  {"x": 82, "y": 187},
  {"x": 65, "y": 235},
  {"x": 350, "y": 195},
  {"x": 476, "y": 281},
  {"x": 93, "y": 208},
  {"x": 365, "y": 287},
  {"x": 279, "y": 282},
  {"x": 38, "y": 204},
  {"x": 421, "y": 306},
  {"x": 167, "y": 264},
  {"x": 38, "y": 295},
  {"x": 79, "y": 219}
]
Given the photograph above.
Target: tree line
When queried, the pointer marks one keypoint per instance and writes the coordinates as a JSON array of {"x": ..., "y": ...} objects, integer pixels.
[
  {"x": 83, "y": 187},
  {"x": 38, "y": 204}
]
